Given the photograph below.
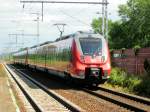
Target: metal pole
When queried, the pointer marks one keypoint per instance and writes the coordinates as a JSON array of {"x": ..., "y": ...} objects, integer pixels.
[
  {"x": 61, "y": 34},
  {"x": 103, "y": 20},
  {"x": 37, "y": 29},
  {"x": 106, "y": 15},
  {"x": 42, "y": 11}
]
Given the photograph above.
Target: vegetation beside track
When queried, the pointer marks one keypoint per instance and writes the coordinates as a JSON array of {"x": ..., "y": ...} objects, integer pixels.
[{"x": 129, "y": 82}]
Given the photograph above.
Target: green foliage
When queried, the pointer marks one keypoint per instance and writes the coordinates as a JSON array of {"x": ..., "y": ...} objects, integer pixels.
[
  {"x": 139, "y": 85},
  {"x": 97, "y": 25},
  {"x": 116, "y": 77},
  {"x": 143, "y": 87},
  {"x": 121, "y": 78},
  {"x": 134, "y": 27},
  {"x": 118, "y": 36}
]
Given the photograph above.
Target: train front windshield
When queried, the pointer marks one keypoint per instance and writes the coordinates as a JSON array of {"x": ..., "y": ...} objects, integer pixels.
[{"x": 91, "y": 46}]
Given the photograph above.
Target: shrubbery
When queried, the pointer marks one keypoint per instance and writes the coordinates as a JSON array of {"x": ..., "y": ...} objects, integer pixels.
[
  {"x": 139, "y": 85},
  {"x": 143, "y": 87}
]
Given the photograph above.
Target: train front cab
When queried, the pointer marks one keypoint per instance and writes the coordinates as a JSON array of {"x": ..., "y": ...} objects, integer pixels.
[{"x": 92, "y": 61}]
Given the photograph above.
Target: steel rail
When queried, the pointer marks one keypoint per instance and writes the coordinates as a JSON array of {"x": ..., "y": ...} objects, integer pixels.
[
  {"x": 69, "y": 105},
  {"x": 122, "y": 104},
  {"x": 129, "y": 96},
  {"x": 34, "y": 104}
]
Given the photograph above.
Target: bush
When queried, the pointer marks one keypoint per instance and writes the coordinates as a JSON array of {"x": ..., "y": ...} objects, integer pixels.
[
  {"x": 116, "y": 77},
  {"x": 143, "y": 87},
  {"x": 139, "y": 85}
]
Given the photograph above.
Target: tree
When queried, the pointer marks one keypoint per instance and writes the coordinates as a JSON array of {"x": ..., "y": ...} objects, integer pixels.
[
  {"x": 97, "y": 25},
  {"x": 119, "y": 36},
  {"x": 135, "y": 15},
  {"x": 134, "y": 27}
]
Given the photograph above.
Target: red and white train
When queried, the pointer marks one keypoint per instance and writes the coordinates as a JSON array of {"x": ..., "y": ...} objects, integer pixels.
[{"x": 82, "y": 55}]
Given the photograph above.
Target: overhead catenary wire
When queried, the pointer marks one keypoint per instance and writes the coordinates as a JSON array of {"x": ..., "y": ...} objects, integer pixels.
[
  {"x": 75, "y": 18},
  {"x": 48, "y": 1},
  {"x": 61, "y": 2},
  {"x": 79, "y": 13},
  {"x": 104, "y": 4}
]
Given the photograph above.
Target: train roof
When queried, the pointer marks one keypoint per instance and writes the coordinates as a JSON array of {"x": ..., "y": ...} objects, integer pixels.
[
  {"x": 72, "y": 35},
  {"x": 45, "y": 43},
  {"x": 59, "y": 39},
  {"x": 64, "y": 37}
]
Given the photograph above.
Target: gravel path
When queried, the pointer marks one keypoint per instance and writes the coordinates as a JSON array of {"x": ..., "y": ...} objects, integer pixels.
[{"x": 6, "y": 102}]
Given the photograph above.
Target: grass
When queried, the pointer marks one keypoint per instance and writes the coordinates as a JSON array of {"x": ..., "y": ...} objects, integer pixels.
[{"x": 129, "y": 82}]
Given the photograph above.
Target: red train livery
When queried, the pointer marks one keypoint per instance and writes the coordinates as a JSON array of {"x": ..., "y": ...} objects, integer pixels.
[{"x": 82, "y": 55}]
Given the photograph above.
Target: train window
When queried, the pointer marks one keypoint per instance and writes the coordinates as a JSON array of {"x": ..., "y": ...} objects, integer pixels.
[{"x": 91, "y": 46}]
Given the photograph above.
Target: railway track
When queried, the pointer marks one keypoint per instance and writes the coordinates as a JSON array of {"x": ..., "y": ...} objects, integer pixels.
[
  {"x": 41, "y": 98},
  {"x": 126, "y": 101},
  {"x": 131, "y": 102}
]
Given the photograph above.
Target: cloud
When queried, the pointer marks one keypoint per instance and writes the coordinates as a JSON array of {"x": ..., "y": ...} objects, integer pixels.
[{"x": 77, "y": 17}]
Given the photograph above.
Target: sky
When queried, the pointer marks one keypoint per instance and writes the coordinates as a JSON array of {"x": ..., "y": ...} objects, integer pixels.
[{"x": 14, "y": 19}]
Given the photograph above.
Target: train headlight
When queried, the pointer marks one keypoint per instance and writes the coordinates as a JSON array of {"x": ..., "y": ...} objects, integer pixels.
[{"x": 95, "y": 73}]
